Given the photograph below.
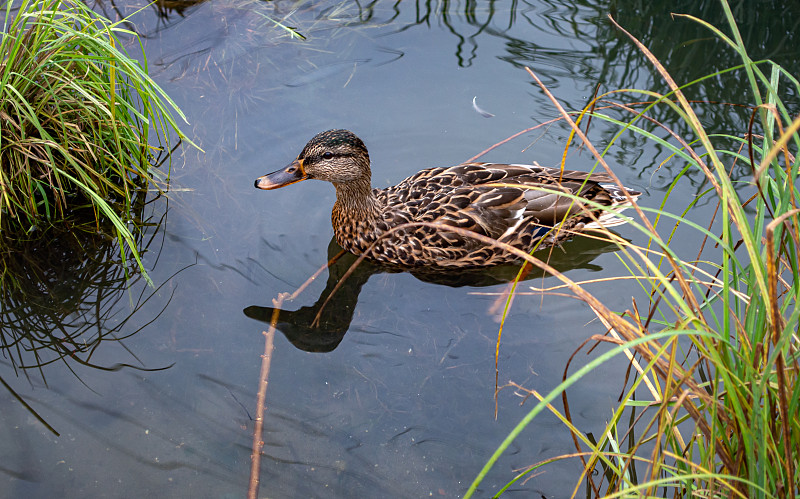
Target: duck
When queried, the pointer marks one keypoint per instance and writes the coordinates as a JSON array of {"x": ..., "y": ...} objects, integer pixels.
[{"x": 426, "y": 221}]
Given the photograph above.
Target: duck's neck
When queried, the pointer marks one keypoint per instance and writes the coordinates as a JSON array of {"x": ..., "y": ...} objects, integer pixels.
[
  {"x": 356, "y": 201},
  {"x": 355, "y": 214}
]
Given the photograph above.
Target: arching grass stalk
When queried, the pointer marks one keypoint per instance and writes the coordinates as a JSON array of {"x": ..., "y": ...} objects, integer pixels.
[
  {"x": 715, "y": 409},
  {"x": 77, "y": 118}
]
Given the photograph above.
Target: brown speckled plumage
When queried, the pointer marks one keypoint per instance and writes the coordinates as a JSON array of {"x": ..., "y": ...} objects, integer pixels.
[{"x": 503, "y": 202}]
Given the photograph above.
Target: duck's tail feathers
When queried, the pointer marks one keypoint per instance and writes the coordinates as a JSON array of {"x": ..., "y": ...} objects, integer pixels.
[{"x": 619, "y": 202}]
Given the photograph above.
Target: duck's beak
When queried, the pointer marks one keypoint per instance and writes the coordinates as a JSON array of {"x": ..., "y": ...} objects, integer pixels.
[{"x": 293, "y": 172}]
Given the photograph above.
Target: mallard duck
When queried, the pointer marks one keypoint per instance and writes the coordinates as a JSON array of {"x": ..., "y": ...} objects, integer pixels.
[{"x": 513, "y": 204}]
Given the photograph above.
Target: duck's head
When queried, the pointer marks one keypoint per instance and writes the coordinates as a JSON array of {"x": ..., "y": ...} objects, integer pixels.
[{"x": 336, "y": 156}]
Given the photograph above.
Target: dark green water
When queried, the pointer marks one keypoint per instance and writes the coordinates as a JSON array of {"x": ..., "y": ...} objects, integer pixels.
[{"x": 400, "y": 404}]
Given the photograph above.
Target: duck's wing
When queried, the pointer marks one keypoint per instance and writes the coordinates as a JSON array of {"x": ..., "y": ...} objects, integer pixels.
[
  {"x": 553, "y": 195},
  {"x": 514, "y": 204},
  {"x": 492, "y": 199},
  {"x": 460, "y": 197}
]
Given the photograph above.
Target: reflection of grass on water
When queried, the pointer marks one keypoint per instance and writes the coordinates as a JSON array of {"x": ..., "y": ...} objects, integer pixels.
[
  {"x": 77, "y": 116},
  {"x": 714, "y": 407},
  {"x": 61, "y": 296}
]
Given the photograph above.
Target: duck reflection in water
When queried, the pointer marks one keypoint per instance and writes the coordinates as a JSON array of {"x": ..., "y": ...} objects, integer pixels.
[{"x": 305, "y": 332}]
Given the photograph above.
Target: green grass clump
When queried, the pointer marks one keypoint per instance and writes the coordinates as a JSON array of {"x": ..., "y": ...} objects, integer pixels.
[
  {"x": 77, "y": 116},
  {"x": 714, "y": 409}
]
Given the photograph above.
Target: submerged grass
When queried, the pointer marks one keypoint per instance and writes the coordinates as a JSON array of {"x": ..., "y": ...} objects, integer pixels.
[
  {"x": 714, "y": 408},
  {"x": 77, "y": 117}
]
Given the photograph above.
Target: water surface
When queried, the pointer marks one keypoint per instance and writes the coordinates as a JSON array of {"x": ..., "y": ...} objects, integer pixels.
[{"x": 399, "y": 401}]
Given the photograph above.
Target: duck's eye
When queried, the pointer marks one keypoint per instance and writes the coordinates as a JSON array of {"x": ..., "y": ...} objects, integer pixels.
[{"x": 327, "y": 155}]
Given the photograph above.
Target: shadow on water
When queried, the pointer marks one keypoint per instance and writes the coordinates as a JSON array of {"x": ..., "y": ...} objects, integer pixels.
[
  {"x": 323, "y": 325},
  {"x": 62, "y": 291}
]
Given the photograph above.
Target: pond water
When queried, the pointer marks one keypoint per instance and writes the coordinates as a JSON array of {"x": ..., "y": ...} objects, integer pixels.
[{"x": 402, "y": 405}]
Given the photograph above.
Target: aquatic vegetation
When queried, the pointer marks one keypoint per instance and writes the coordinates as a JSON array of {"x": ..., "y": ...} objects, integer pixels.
[
  {"x": 78, "y": 117},
  {"x": 714, "y": 406}
]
